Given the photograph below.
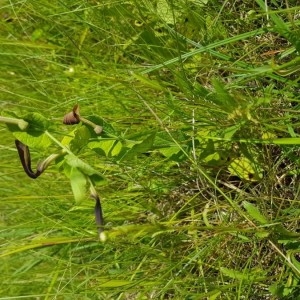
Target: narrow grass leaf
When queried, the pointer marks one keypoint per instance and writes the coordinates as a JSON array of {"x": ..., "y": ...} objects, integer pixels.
[
  {"x": 151, "y": 83},
  {"x": 246, "y": 275},
  {"x": 254, "y": 213},
  {"x": 115, "y": 283},
  {"x": 286, "y": 141}
]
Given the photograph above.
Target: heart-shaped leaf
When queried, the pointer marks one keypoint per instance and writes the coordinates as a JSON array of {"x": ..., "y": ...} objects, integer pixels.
[{"x": 34, "y": 136}]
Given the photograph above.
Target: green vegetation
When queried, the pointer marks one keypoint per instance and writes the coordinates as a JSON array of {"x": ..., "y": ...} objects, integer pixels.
[{"x": 197, "y": 166}]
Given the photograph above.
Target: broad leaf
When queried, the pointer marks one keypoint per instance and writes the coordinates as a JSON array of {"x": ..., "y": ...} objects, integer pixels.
[
  {"x": 170, "y": 151},
  {"x": 34, "y": 136},
  {"x": 78, "y": 183},
  {"x": 165, "y": 12},
  {"x": 110, "y": 147},
  {"x": 40, "y": 142},
  {"x": 81, "y": 139},
  {"x": 76, "y": 162},
  {"x": 141, "y": 147},
  {"x": 245, "y": 169}
]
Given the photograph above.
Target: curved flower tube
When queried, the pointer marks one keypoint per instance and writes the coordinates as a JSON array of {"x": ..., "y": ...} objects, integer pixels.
[{"x": 24, "y": 154}]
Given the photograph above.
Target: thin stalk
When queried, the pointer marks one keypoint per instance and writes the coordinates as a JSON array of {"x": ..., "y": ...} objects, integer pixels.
[
  {"x": 97, "y": 128},
  {"x": 22, "y": 124}
]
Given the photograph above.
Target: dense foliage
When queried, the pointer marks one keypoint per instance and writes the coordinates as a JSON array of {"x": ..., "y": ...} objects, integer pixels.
[{"x": 196, "y": 165}]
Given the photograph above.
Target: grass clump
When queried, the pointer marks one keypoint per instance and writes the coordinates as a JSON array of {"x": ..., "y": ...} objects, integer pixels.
[{"x": 198, "y": 101}]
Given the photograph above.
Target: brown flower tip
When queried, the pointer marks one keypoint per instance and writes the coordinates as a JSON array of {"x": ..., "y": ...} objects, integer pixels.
[{"x": 72, "y": 117}]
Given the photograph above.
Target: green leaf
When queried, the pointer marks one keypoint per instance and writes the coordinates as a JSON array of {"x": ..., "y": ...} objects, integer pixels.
[
  {"x": 114, "y": 283},
  {"x": 215, "y": 295},
  {"x": 40, "y": 142},
  {"x": 110, "y": 147},
  {"x": 262, "y": 234},
  {"x": 141, "y": 147},
  {"x": 245, "y": 275},
  {"x": 294, "y": 260},
  {"x": 37, "y": 33},
  {"x": 67, "y": 139},
  {"x": 165, "y": 12},
  {"x": 37, "y": 122},
  {"x": 78, "y": 183},
  {"x": 222, "y": 97},
  {"x": 145, "y": 145},
  {"x": 154, "y": 84},
  {"x": 286, "y": 141},
  {"x": 169, "y": 152},
  {"x": 215, "y": 159},
  {"x": 34, "y": 136},
  {"x": 168, "y": 148},
  {"x": 230, "y": 131},
  {"x": 81, "y": 139},
  {"x": 245, "y": 169},
  {"x": 75, "y": 162},
  {"x": 255, "y": 213},
  {"x": 108, "y": 129}
]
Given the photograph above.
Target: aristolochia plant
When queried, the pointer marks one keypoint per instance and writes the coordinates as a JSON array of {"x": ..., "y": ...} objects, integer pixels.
[{"x": 32, "y": 131}]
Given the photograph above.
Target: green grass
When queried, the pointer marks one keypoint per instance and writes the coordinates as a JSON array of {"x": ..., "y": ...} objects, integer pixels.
[{"x": 199, "y": 101}]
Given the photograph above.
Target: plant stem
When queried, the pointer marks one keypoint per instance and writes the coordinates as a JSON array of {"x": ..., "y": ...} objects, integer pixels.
[
  {"x": 19, "y": 122},
  {"x": 65, "y": 149},
  {"x": 97, "y": 128}
]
